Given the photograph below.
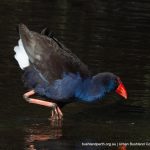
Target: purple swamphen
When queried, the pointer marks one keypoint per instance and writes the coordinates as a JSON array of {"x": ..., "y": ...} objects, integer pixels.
[{"x": 52, "y": 71}]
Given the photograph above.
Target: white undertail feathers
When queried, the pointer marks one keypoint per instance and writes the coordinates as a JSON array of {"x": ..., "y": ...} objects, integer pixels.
[{"x": 21, "y": 55}]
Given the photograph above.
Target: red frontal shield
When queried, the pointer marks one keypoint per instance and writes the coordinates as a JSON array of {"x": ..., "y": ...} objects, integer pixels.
[{"x": 121, "y": 90}]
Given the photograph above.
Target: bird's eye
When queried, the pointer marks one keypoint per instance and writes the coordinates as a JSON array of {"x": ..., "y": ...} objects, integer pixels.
[{"x": 116, "y": 81}]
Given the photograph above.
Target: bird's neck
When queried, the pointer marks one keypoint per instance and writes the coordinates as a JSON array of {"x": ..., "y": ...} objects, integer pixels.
[{"x": 88, "y": 91}]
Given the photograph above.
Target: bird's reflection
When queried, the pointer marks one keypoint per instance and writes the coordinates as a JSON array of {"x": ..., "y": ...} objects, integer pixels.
[
  {"x": 122, "y": 147},
  {"x": 42, "y": 132}
]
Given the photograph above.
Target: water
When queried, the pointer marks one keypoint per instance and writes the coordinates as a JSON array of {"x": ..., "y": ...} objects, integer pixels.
[{"x": 107, "y": 36}]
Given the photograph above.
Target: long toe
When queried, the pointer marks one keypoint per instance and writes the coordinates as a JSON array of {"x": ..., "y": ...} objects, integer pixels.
[
  {"x": 59, "y": 113},
  {"x": 52, "y": 115},
  {"x": 56, "y": 114}
]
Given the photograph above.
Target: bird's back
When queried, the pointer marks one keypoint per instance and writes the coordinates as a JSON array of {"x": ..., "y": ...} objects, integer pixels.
[{"x": 51, "y": 69}]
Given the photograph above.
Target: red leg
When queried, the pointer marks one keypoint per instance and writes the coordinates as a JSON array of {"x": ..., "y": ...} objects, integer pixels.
[{"x": 56, "y": 112}]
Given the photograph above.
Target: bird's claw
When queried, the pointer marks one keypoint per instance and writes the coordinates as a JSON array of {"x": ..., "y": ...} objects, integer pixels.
[{"x": 56, "y": 113}]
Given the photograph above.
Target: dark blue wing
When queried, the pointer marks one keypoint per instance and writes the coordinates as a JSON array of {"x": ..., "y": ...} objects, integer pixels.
[
  {"x": 50, "y": 57},
  {"x": 54, "y": 70}
]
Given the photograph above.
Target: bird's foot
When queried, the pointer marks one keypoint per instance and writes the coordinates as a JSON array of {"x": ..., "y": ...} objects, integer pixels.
[{"x": 56, "y": 113}]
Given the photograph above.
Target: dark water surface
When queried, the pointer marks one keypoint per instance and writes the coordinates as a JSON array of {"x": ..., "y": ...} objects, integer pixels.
[{"x": 108, "y": 36}]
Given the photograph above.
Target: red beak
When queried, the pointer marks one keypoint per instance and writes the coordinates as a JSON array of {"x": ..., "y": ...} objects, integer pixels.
[{"x": 121, "y": 90}]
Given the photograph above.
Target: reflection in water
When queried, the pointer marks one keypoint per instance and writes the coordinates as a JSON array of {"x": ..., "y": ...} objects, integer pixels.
[
  {"x": 122, "y": 147},
  {"x": 42, "y": 133},
  {"x": 31, "y": 147}
]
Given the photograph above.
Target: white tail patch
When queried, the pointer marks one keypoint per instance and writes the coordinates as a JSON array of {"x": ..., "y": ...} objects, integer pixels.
[{"x": 21, "y": 55}]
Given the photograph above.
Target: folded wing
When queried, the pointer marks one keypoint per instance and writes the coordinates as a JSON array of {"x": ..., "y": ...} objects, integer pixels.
[{"x": 51, "y": 58}]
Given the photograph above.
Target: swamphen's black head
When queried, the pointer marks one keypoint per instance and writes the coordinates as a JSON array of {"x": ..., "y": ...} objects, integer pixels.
[{"x": 109, "y": 83}]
